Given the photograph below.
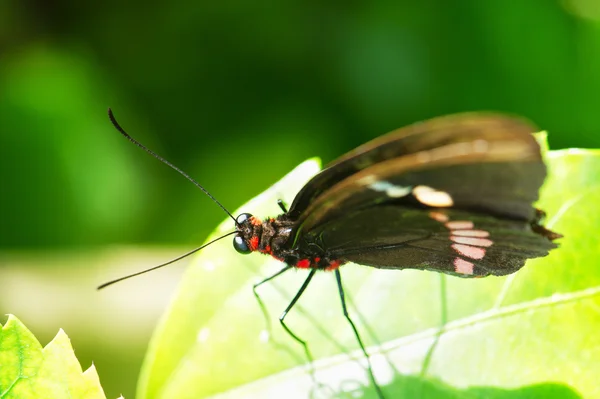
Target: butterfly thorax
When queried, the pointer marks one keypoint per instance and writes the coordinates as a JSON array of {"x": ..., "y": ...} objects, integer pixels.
[{"x": 275, "y": 236}]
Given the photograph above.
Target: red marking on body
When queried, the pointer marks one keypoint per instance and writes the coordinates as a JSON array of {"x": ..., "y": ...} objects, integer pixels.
[
  {"x": 469, "y": 251},
  {"x": 439, "y": 217},
  {"x": 462, "y": 266},
  {"x": 253, "y": 243},
  {"x": 265, "y": 250},
  {"x": 334, "y": 264},
  {"x": 317, "y": 260},
  {"x": 303, "y": 263},
  {"x": 478, "y": 242},
  {"x": 472, "y": 233},
  {"x": 460, "y": 225}
]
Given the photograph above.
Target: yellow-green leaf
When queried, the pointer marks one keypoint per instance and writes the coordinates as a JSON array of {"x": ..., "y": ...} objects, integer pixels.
[{"x": 28, "y": 371}]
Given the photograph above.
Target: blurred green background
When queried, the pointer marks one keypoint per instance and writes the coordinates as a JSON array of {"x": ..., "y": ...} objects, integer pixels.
[{"x": 235, "y": 93}]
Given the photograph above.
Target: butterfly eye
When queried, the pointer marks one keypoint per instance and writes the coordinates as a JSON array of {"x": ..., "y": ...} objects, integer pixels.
[
  {"x": 240, "y": 244},
  {"x": 242, "y": 218}
]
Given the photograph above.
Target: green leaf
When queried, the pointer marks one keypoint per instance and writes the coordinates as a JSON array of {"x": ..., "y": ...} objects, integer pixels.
[
  {"x": 29, "y": 371},
  {"x": 529, "y": 335}
]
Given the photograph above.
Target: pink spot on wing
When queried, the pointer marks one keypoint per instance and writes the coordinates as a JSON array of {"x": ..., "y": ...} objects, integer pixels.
[
  {"x": 439, "y": 216},
  {"x": 471, "y": 233},
  {"x": 469, "y": 251},
  {"x": 460, "y": 225},
  {"x": 462, "y": 266},
  {"x": 479, "y": 242}
]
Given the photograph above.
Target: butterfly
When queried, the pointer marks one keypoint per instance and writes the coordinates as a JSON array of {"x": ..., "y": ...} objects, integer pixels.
[{"x": 452, "y": 194}]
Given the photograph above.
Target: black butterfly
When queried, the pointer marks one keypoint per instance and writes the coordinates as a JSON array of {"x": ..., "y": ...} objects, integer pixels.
[{"x": 452, "y": 194}]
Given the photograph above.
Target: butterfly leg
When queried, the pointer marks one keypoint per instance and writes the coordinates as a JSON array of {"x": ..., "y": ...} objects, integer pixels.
[
  {"x": 290, "y": 306},
  {"x": 282, "y": 205},
  {"x": 318, "y": 386},
  {"x": 261, "y": 304},
  {"x": 267, "y": 318},
  {"x": 338, "y": 278}
]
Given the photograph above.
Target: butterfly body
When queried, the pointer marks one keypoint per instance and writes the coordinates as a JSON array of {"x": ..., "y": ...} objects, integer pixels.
[{"x": 272, "y": 237}]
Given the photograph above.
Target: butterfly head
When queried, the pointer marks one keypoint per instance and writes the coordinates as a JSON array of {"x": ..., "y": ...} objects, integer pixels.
[{"x": 248, "y": 234}]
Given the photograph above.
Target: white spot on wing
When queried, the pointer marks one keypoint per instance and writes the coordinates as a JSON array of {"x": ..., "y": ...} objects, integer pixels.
[
  {"x": 398, "y": 191},
  {"x": 390, "y": 189},
  {"x": 432, "y": 197},
  {"x": 380, "y": 185}
]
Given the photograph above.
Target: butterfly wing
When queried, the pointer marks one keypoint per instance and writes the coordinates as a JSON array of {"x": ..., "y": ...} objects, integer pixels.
[
  {"x": 453, "y": 194},
  {"x": 440, "y": 154},
  {"x": 451, "y": 241},
  {"x": 396, "y": 157}
]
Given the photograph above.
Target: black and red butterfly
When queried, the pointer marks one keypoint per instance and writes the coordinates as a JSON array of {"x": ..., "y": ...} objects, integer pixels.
[{"x": 452, "y": 194}]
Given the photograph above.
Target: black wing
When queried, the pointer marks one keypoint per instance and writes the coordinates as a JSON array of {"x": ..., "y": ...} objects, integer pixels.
[
  {"x": 445, "y": 240},
  {"x": 453, "y": 194},
  {"x": 485, "y": 162}
]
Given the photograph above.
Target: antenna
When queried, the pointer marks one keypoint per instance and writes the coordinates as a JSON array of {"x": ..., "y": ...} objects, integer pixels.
[
  {"x": 155, "y": 155},
  {"x": 163, "y": 264}
]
